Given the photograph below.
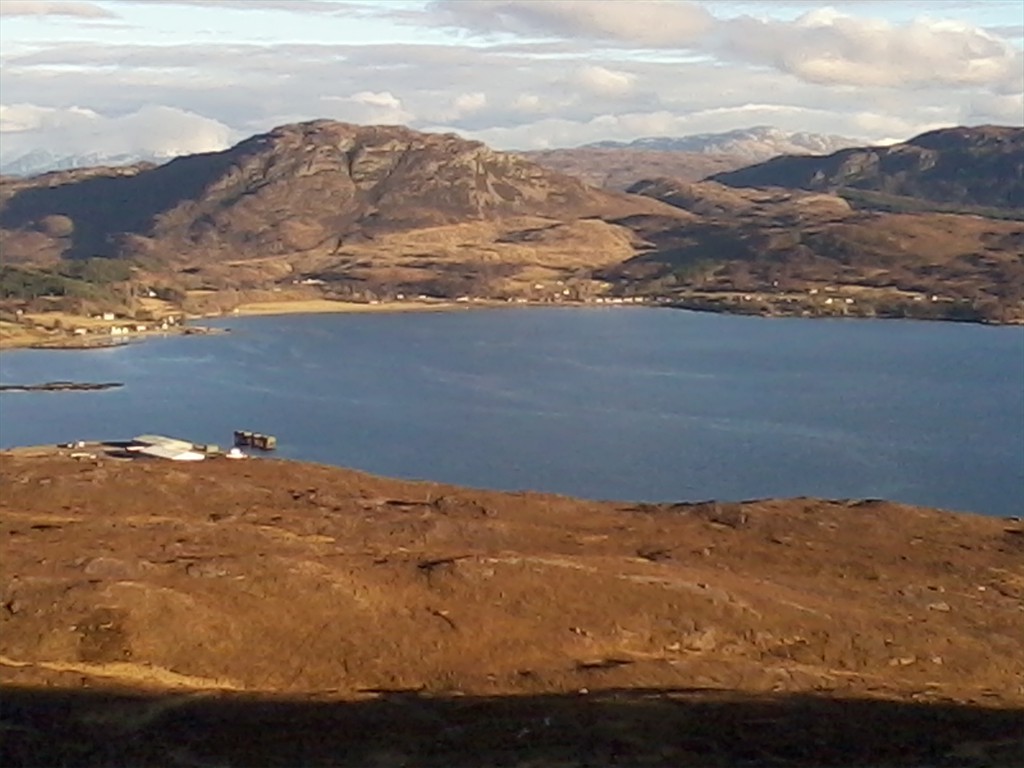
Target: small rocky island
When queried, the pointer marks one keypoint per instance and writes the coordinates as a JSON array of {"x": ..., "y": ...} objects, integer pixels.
[{"x": 61, "y": 386}]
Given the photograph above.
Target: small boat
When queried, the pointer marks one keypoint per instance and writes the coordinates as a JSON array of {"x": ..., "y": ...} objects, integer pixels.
[{"x": 245, "y": 438}]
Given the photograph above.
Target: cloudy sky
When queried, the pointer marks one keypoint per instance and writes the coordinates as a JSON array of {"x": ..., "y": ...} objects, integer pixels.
[{"x": 174, "y": 76}]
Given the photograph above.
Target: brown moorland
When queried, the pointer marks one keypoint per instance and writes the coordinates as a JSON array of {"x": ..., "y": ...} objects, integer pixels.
[{"x": 265, "y": 612}]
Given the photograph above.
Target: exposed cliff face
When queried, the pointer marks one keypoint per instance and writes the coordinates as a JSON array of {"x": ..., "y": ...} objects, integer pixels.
[
  {"x": 981, "y": 166},
  {"x": 299, "y": 188}
]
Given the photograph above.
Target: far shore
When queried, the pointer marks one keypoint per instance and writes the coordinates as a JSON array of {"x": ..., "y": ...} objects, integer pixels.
[
  {"x": 326, "y": 306},
  {"x": 23, "y": 337},
  {"x": 31, "y": 339}
]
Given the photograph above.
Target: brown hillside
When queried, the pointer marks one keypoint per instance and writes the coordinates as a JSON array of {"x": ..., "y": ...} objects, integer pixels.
[
  {"x": 301, "y": 191},
  {"x": 750, "y": 239},
  {"x": 236, "y": 579},
  {"x": 981, "y": 166},
  {"x": 384, "y": 210}
]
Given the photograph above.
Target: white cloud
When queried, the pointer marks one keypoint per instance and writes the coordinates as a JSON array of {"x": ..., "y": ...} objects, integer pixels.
[
  {"x": 996, "y": 108},
  {"x": 467, "y": 103},
  {"x": 574, "y": 74},
  {"x": 824, "y": 46},
  {"x": 602, "y": 81},
  {"x": 641, "y": 22},
  {"x": 152, "y": 130},
  {"x": 21, "y": 118},
  {"x": 288, "y": 6},
  {"x": 369, "y": 107},
  {"x": 528, "y": 103},
  {"x": 830, "y": 48},
  {"x": 54, "y": 8}
]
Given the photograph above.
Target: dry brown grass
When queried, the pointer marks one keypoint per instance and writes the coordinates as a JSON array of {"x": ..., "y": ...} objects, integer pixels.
[{"x": 284, "y": 577}]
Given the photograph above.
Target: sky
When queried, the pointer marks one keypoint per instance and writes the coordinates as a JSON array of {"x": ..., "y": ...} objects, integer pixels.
[{"x": 169, "y": 77}]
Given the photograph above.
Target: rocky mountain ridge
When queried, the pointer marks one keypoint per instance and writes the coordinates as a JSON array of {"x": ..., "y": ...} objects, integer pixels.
[
  {"x": 40, "y": 161},
  {"x": 981, "y": 166},
  {"x": 310, "y": 193}
]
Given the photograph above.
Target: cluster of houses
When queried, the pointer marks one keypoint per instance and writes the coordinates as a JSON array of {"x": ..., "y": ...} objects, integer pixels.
[{"x": 122, "y": 327}]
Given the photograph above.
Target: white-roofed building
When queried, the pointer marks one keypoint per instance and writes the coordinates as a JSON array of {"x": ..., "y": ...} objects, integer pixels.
[{"x": 162, "y": 447}]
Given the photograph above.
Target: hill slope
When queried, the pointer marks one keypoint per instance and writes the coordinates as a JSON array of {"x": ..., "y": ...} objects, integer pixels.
[
  {"x": 325, "y": 585},
  {"x": 813, "y": 253},
  {"x": 298, "y": 188},
  {"x": 981, "y": 166},
  {"x": 302, "y": 194}
]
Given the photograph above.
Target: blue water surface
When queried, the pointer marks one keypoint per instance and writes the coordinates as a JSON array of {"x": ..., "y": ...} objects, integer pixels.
[{"x": 644, "y": 404}]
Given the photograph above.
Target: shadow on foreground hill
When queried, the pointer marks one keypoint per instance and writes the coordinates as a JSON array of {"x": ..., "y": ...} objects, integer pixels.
[{"x": 648, "y": 727}]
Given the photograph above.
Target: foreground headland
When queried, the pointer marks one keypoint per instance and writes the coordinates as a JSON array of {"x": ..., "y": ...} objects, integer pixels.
[{"x": 267, "y": 612}]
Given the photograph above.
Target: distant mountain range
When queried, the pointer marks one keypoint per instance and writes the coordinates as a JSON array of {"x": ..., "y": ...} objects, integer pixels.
[
  {"x": 750, "y": 144},
  {"x": 620, "y": 165},
  {"x": 43, "y": 161},
  {"x": 374, "y": 211},
  {"x": 739, "y": 147}
]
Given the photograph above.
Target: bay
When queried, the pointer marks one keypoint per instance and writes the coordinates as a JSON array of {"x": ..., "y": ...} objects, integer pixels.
[{"x": 625, "y": 403}]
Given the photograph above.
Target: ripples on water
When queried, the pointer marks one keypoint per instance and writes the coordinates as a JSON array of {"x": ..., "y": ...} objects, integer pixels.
[{"x": 622, "y": 403}]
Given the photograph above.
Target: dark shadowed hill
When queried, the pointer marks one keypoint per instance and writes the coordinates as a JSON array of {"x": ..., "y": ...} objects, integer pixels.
[{"x": 981, "y": 166}]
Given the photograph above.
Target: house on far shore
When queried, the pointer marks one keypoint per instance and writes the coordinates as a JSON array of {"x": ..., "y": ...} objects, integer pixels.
[{"x": 161, "y": 447}]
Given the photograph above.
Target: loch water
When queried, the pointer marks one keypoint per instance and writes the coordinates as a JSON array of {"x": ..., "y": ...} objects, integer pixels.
[{"x": 624, "y": 403}]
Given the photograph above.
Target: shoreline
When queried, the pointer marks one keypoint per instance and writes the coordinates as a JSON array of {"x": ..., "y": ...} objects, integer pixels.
[
  {"x": 60, "y": 451},
  {"x": 331, "y": 306}
]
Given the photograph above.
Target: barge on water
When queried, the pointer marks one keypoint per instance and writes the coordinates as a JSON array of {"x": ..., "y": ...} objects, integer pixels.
[{"x": 255, "y": 440}]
